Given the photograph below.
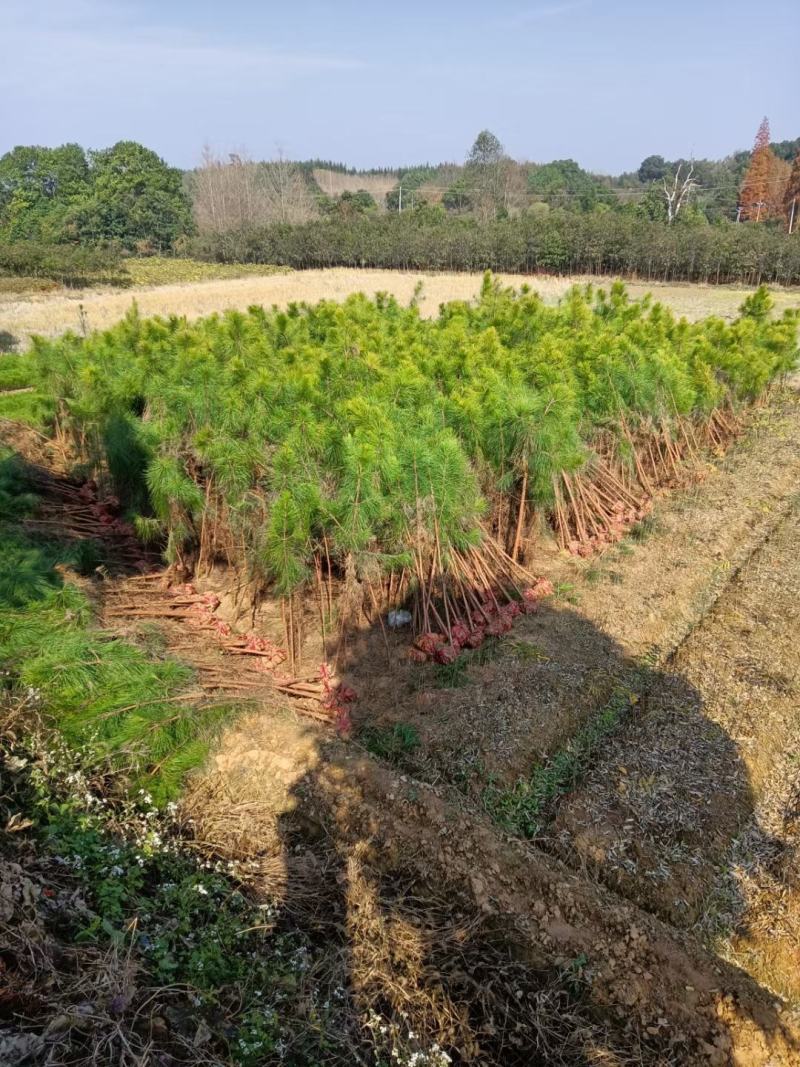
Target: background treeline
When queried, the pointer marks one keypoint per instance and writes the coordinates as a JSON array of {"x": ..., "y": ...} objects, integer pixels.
[
  {"x": 560, "y": 242},
  {"x": 125, "y": 194},
  {"x": 70, "y": 215},
  {"x": 73, "y": 215}
]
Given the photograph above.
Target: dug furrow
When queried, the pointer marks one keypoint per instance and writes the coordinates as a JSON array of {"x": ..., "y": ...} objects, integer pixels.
[{"x": 692, "y": 811}]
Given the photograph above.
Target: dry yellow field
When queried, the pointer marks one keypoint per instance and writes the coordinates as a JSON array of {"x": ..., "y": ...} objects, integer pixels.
[{"x": 50, "y": 314}]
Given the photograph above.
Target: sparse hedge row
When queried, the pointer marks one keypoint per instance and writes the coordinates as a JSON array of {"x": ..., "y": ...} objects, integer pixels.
[
  {"x": 71, "y": 264},
  {"x": 557, "y": 243}
]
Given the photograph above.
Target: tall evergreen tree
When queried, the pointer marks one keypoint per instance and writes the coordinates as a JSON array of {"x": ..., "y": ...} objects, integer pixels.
[{"x": 484, "y": 173}]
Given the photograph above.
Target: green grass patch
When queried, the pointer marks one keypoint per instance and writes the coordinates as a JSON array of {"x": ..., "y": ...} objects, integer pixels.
[
  {"x": 597, "y": 575},
  {"x": 20, "y": 399},
  {"x": 162, "y": 270},
  {"x": 454, "y": 675},
  {"x": 16, "y": 371},
  {"x": 594, "y": 574},
  {"x": 566, "y": 592},
  {"x": 525, "y": 651},
  {"x": 93, "y": 684},
  {"x": 644, "y": 529},
  {"x": 32, "y": 409}
]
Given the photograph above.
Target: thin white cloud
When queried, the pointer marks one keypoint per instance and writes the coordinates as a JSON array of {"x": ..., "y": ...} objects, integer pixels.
[{"x": 84, "y": 44}]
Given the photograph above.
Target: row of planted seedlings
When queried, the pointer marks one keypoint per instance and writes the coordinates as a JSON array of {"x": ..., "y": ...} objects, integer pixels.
[{"x": 383, "y": 460}]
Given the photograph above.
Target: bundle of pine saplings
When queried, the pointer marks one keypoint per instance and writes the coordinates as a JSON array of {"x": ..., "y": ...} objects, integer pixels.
[{"x": 384, "y": 460}]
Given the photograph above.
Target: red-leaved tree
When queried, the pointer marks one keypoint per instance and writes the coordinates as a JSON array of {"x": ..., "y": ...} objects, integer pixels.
[{"x": 757, "y": 196}]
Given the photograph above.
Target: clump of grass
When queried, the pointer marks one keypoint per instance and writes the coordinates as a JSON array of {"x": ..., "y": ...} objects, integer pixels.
[
  {"x": 595, "y": 575},
  {"x": 16, "y": 371},
  {"x": 456, "y": 674},
  {"x": 566, "y": 592},
  {"x": 392, "y": 744},
  {"x": 526, "y": 651},
  {"x": 644, "y": 529}
]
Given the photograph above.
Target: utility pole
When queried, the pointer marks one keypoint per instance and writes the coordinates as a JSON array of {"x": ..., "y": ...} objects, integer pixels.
[
  {"x": 400, "y": 201},
  {"x": 791, "y": 217},
  {"x": 759, "y": 205}
]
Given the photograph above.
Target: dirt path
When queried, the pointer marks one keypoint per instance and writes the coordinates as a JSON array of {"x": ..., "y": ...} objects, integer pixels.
[
  {"x": 380, "y": 854},
  {"x": 50, "y": 314}
]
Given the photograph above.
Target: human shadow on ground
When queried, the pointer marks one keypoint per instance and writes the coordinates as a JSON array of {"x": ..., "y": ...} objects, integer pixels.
[{"x": 453, "y": 937}]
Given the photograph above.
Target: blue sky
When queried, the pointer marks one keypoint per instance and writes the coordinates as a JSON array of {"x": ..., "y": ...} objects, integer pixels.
[{"x": 605, "y": 83}]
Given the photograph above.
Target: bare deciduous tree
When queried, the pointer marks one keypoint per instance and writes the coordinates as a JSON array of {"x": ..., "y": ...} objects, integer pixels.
[
  {"x": 513, "y": 187},
  {"x": 287, "y": 191},
  {"x": 678, "y": 191},
  {"x": 239, "y": 194}
]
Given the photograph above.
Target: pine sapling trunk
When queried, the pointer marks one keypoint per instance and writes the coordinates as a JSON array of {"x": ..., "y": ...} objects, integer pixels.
[{"x": 523, "y": 494}]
